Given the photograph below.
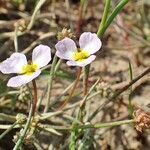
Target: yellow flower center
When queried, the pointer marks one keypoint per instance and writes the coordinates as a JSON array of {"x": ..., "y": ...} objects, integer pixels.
[
  {"x": 29, "y": 69},
  {"x": 80, "y": 55}
]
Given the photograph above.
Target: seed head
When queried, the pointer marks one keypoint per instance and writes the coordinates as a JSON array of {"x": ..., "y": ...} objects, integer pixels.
[
  {"x": 142, "y": 120},
  {"x": 65, "y": 33}
]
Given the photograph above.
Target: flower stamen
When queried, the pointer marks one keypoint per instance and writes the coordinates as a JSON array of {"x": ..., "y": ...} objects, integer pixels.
[
  {"x": 80, "y": 55},
  {"x": 29, "y": 69}
]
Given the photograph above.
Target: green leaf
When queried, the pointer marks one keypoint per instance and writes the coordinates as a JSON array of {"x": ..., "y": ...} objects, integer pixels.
[{"x": 130, "y": 107}]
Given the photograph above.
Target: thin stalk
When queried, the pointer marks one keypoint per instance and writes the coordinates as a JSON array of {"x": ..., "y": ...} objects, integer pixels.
[
  {"x": 106, "y": 125},
  {"x": 6, "y": 117},
  {"x": 34, "y": 100},
  {"x": 130, "y": 108},
  {"x": 96, "y": 126},
  {"x": 50, "y": 81},
  {"x": 45, "y": 116},
  {"x": 105, "y": 16},
  {"x": 72, "y": 90},
  {"x": 78, "y": 103},
  {"x": 85, "y": 80},
  {"x": 85, "y": 7},
  {"x": 8, "y": 130},
  {"x": 58, "y": 64},
  {"x": 83, "y": 102},
  {"x": 73, "y": 136},
  {"x": 117, "y": 9},
  {"x": 41, "y": 98},
  {"x": 37, "y": 8},
  {"x": 9, "y": 93},
  {"x": 37, "y": 145},
  {"x": 89, "y": 92},
  {"x": 5, "y": 126},
  {"x": 16, "y": 39},
  {"x": 22, "y": 136}
]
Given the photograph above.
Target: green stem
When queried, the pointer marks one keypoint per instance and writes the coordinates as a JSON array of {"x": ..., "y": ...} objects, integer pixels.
[
  {"x": 106, "y": 125},
  {"x": 8, "y": 130},
  {"x": 34, "y": 100},
  {"x": 57, "y": 65},
  {"x": 45, "y": 116},
  {"x": 22, "y": 136},
  {"x": 73, "y": 136},
  {"x": 115, "y": 12},
  {"x": 9, "y": 93},
  {"x": 6, "y": 117},
  {"x": 5, "y": 126},
  {"x": 50, "y": 81},
  {"x": 38, "y": 6},
  {"x": 76, "y": 126},
  {"x": 104, "y": 17},
  {"x": 130, "y": 107}
]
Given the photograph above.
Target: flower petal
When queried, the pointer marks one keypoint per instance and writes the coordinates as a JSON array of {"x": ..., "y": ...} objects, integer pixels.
[
  {"x": 13, "y": 64},
  {"x": 22, "y": 79},
  {"x": 41, "y": 55},
  {"x": 82, "y": 63},
  {"x": 90, "y": 42},
  {"x": 65, "y": 48}
]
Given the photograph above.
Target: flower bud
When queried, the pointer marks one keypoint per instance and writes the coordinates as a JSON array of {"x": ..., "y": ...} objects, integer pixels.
[
  {"x": 65, "y": 33},
  {"x": 21, "y": 118}
]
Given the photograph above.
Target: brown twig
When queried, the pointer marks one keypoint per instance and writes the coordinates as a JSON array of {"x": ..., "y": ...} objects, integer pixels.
[
  {"x": 86, "y": 79},
  {"x": 129, "y": 84},
  {"x": 72, "y": 90}
]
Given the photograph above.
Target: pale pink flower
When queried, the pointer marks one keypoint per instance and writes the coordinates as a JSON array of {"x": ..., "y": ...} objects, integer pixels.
[
  {"x": 89, "y": 44},
  {"x": 17, "y": 63}
]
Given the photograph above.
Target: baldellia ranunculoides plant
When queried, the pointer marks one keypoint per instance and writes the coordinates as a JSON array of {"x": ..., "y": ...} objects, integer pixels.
[{"x": 77, "y": 57}]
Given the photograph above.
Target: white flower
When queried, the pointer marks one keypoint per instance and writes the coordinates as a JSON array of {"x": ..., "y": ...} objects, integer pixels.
[
  {"x": 17, "y": 63},
  {"x": 89, "y": 44}
]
